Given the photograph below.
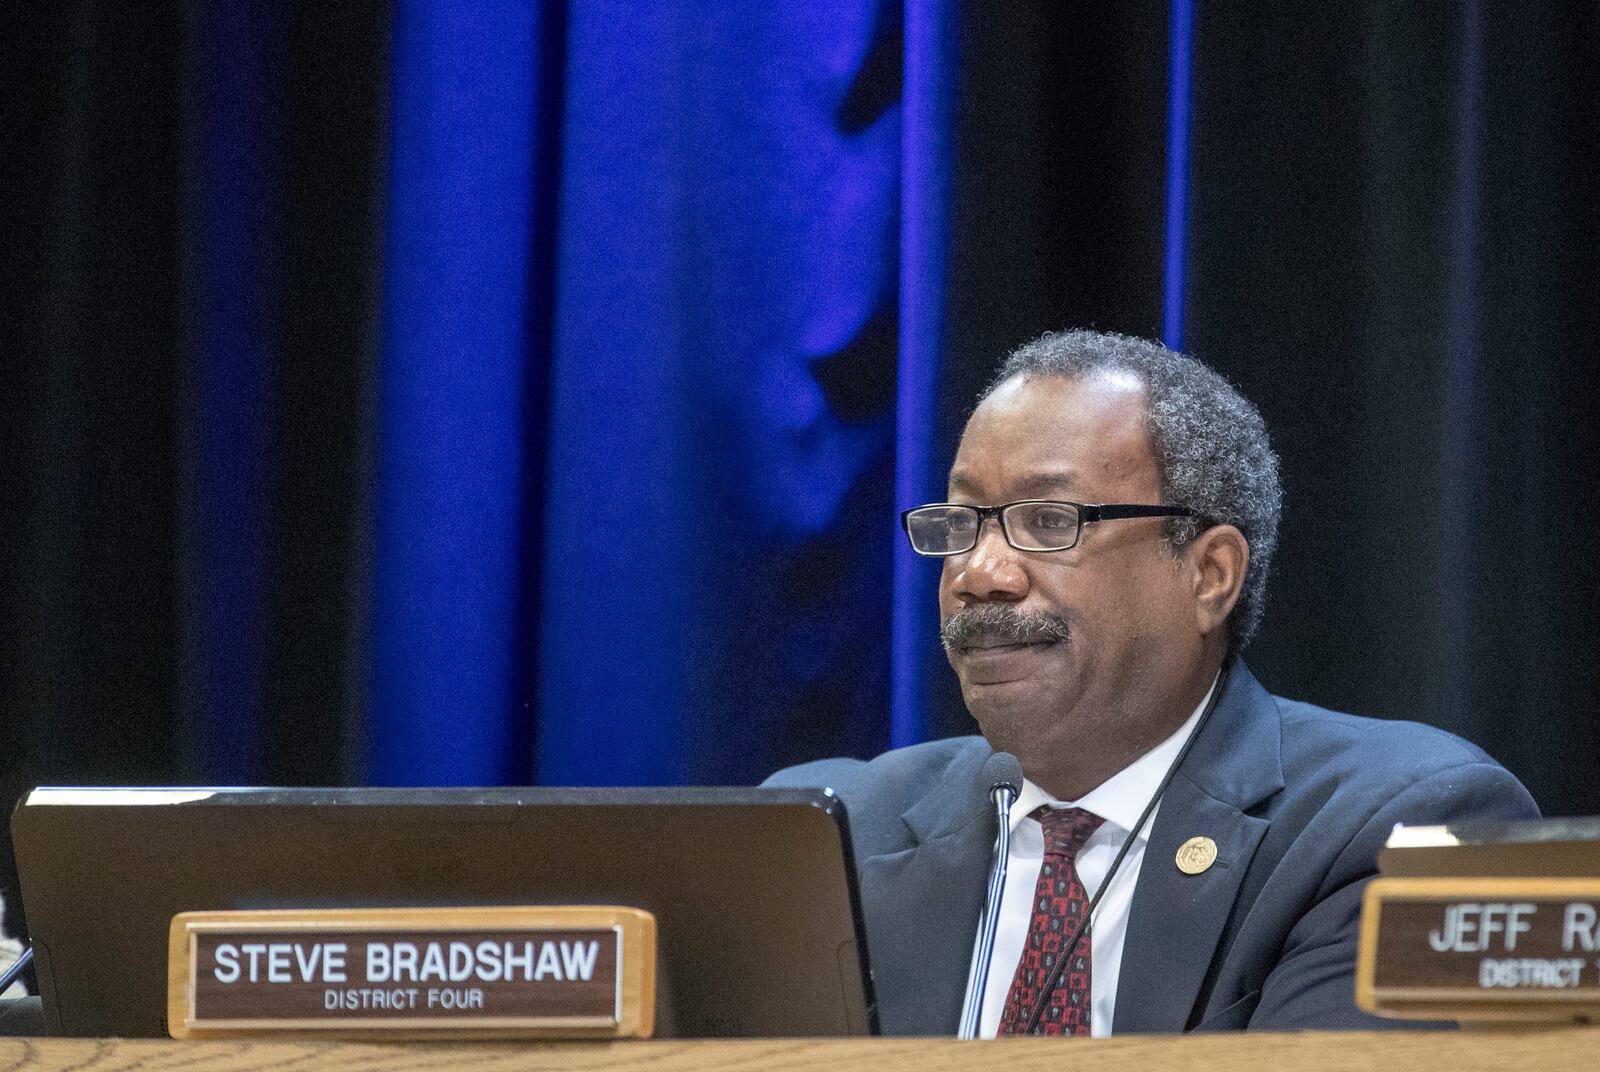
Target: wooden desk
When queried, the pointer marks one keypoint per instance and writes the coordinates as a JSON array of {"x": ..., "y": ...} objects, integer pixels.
[{"x": 1496, "y": 1050}]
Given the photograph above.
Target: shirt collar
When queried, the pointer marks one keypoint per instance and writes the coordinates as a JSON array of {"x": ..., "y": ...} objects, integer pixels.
[{"x": 1121, "y": 798}]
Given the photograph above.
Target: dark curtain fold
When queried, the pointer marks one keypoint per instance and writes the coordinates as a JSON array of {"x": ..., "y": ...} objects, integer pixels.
[
  {"x": 1394, "y": 253},
  {"x": 91, "y": 329},
  {"x": 187, "y": 260},
  {"x": 281, "y": 187}
]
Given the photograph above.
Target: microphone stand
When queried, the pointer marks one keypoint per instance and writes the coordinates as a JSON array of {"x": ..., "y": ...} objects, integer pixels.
[
  {"x": 13, "y": 973},
  {"x": 1003, "y": 796}
]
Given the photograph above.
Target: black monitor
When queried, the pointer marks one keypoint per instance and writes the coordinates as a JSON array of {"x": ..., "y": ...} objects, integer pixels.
[{"x": 754, "y": 891}]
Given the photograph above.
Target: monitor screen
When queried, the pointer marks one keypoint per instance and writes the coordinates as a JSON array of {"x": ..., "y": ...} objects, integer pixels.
[{"x": 754, "y": 891}]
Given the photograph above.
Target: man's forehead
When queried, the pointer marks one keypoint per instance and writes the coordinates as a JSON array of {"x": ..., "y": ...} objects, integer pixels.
[
  {"x": 1040, "y": 436},
  {"x": 1052, "y": 482}
]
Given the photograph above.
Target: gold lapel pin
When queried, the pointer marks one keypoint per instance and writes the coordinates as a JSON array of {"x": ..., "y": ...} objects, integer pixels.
[{"x": 1196, "y": 855}]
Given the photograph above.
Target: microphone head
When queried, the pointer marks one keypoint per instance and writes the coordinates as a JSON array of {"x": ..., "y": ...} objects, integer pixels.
[{"x": 1002, "y": 769}]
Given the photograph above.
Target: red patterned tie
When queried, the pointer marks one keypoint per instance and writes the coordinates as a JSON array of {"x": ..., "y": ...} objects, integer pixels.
[{"x": 1059, "y": 903}]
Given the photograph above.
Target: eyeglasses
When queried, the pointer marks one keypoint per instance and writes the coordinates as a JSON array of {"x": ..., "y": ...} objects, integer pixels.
[{"x": 1030, "y": 525}]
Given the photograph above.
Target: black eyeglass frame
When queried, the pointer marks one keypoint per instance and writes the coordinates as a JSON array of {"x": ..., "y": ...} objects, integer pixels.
[{"x": 1088, "y": 513}]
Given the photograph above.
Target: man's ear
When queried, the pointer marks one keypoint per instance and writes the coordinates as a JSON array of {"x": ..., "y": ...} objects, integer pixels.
[{"x": 1218, "y": 558}]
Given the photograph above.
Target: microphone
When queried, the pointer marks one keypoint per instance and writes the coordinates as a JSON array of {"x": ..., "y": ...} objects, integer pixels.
[{"x": 1003, "y": 773}]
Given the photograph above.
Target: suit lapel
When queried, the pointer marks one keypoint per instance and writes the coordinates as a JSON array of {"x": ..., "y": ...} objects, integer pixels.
[
  {"x": 923, "y": 904},
  {"x": 1176, "y": 920}
]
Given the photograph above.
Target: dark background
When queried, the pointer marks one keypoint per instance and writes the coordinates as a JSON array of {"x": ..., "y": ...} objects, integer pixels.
[{"x": 1392, "y": 252}]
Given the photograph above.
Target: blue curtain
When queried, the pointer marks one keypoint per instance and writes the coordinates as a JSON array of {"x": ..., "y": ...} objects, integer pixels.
[
  {"x": 632, "y": 508},
  {"x": 459, "y": 334},
  {"x": 662, "y": 342}
]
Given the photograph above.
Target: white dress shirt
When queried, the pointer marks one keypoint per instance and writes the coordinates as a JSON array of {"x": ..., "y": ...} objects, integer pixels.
[{"x": 1118, "y": 800}]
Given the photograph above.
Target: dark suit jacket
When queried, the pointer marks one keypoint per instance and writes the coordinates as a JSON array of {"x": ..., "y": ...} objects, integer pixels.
[{"x": 1298, "y": 799}]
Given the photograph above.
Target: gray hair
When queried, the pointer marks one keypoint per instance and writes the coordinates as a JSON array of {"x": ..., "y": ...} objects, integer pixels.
[{"x": 1208, "y": 440}]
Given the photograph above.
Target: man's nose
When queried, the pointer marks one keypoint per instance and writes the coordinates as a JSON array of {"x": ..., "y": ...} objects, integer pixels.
[{"x": 992, "y": 572}]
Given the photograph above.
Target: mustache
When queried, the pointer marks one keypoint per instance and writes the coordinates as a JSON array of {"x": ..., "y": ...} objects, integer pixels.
[{"x": 1000, "y": 621}]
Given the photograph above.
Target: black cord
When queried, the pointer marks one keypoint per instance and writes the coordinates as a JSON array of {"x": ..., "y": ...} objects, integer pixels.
[{"x": 1066, "y": 950}]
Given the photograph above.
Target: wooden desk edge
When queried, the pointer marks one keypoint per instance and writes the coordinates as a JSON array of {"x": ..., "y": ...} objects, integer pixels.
[{"x": 1497, "y": 1050}]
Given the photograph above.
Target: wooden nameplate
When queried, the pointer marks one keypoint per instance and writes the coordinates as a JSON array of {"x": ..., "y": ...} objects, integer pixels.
[
  {"x": 527, "y": 972},
  {"x": 1502, "y": 948}
]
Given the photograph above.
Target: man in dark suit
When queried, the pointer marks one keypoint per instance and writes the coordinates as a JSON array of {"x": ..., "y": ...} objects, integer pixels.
[{"x": 1112, "y": 514}]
